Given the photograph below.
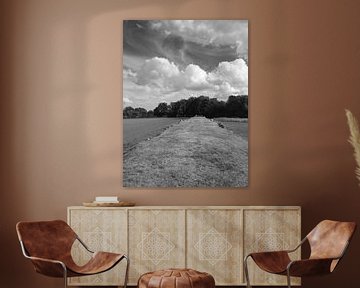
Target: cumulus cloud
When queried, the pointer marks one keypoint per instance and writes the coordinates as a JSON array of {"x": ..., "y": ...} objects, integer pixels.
[
  {"x": 235, "y": 73},
  {"x": 169, "y": 60},
  {"x": 158, "y": 72},
  {"x": 201, "y": 42},
  {"x": 195, "y": 78},
  {"x": 158, "y": 77},
  {"x": 127, "y": 101},
  {"x": 128, "y": 74}
]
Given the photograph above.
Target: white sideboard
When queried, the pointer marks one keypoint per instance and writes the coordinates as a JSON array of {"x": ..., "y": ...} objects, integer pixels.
[{"x": 212, "y": 239}]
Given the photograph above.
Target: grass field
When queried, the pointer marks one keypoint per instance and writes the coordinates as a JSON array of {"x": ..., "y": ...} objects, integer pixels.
[
  {"x": 192, "y": 153},
  {"x": 140, "y": 129},
  {"x": 237, "y": 125}
]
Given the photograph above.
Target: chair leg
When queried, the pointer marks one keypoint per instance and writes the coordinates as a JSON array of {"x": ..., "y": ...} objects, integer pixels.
[
  {"x": 127, "y": 271},
  {"x": 65, "y": 276},
  {"x": 288, "y": 278},
  {"x": 246, "y": 270}
]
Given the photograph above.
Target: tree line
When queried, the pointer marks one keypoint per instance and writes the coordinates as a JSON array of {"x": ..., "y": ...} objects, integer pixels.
[{"x": 235, "y": 106}]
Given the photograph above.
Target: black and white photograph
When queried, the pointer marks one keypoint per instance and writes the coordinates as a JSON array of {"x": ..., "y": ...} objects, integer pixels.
[{"x": 185, "y": 103}]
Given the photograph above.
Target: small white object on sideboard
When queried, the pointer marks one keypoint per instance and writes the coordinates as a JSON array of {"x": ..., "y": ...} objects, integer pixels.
[{"x": 212, "y": 239}]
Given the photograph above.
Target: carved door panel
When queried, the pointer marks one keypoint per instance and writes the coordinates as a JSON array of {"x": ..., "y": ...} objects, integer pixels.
[
  {"x": 156, "y": 240},
  {"x": 214, "y": 244}
]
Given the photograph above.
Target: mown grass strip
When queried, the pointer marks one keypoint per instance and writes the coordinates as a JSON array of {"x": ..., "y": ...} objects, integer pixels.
[{"x": 193, "y": 153}]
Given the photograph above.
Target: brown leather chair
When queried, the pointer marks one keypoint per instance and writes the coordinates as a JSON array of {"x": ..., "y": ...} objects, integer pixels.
[
  {"x": 48, "y": 245},
  {"x": 328, "y": 242}
]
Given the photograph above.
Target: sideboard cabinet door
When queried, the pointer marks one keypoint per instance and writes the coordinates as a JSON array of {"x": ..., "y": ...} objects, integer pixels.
[
  {"x": 101, "y": 230},
  {"x": 214, "y": 244},
  {"x": 156, "y": 240},
  {"x": 269, "y": 230}
]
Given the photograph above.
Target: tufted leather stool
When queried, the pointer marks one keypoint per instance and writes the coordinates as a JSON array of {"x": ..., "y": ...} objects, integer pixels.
[{"x": 176, "y": 278}]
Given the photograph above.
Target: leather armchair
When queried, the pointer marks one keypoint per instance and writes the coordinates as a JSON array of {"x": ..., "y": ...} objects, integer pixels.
[
  {"x": 48, "y": 245},
  {"x": 328, "y": 242}
]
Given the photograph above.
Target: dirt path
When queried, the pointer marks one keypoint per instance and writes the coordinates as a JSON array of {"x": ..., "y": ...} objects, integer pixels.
[{"x": 193, "y": 153}]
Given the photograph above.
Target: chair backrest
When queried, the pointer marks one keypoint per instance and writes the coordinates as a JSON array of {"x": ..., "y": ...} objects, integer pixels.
[
  {"x": 329, "y": 239},
  {"x": 46, "y": 239}
]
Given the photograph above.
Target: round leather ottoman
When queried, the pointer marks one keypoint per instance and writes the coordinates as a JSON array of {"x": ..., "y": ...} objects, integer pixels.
[{"x": 176, "y": 278}]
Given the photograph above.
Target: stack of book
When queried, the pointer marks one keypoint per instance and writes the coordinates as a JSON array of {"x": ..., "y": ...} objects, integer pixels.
[{"x": 106, "y": 199}]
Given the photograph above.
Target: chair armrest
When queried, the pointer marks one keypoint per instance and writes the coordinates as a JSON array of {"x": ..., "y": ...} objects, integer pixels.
[
  {"x": 309, "y": 267},
  {"x": 83, "y": 244},
  {"x": 45, "y": 260},
  {"x": 280, "y": 251},
  {"x": 298, "y": 246},
  {"x": 269, "y": 252}
]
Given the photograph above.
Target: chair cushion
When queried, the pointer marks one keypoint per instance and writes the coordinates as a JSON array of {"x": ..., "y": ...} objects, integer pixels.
[{"x": 176, "y": 278}]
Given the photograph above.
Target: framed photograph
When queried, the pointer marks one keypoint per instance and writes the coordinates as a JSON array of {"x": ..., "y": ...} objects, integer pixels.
[{"x": 185, "y": 103}]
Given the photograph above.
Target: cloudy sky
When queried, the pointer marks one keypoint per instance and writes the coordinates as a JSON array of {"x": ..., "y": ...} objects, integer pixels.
[{"x": 169, "y": 60}]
